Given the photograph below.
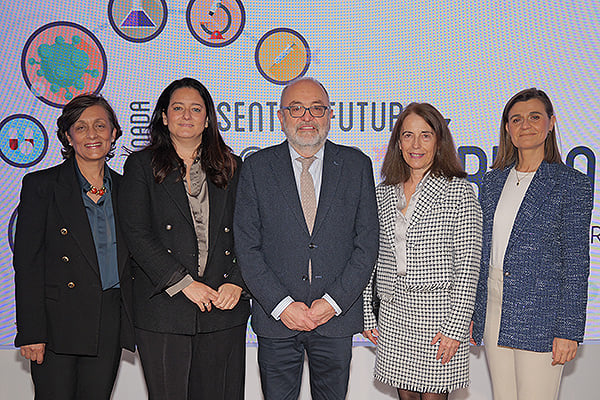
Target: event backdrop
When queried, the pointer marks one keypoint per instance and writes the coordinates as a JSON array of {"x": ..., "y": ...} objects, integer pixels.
[{"x": 465, "y": 57}]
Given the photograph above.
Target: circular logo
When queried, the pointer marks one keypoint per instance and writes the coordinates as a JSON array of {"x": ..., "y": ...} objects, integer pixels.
[
  {"x": 282, "y": 55},
  {"x": 61, "y": 60},
  {"x": 248, "y": 151},
  {"x": 23, "y": 140},
  {"x": 12, "y": 227},
  {"x": 215, "y": 23},
  {"x": 137, "y": 21}
]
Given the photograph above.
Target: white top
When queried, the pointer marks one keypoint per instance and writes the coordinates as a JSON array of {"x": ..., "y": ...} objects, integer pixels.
[{"x": 510, "y": 201}]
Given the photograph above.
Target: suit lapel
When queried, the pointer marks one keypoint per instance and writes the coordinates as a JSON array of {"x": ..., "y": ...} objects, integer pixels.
[
  {"x": 284, "y": 176},
  {"x": 495, "y": 190},
  {"x": 430, "y": 194},
  {"x": 70, "y": 206},
  {"x": 538, "y": 191},
  {"x": 389, "y": 214},
  {"x": 176, "y": 190},
  {"x": 217, "y": 198},
  {"x": 332, "y": 170},
  {"x": 122, "y": 252}
]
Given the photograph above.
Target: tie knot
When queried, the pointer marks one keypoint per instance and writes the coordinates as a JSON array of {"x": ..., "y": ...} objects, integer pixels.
[{"x": 306, "y": 162}]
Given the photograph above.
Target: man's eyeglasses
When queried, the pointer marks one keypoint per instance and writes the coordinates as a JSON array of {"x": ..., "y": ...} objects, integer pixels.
[{"x": 298, "y": 111}]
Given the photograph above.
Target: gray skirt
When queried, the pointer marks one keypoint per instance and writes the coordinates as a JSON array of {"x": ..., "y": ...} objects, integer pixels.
[{"x": 405, "y": 357}]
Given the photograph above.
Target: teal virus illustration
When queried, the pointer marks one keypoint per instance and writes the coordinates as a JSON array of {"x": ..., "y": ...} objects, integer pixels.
[{"x": 63, "y": 65}]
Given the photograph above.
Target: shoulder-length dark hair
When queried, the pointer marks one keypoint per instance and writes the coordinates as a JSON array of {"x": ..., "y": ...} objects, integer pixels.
[
  {"x": 445, "y": 161},
  {"x": 507, "y": 152},
  {"x": 216, "y": 158},
  {"x": 71, "y": 113}
]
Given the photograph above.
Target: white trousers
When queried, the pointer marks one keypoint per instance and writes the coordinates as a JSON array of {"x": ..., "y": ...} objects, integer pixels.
[{"x": 516, "y": 374}]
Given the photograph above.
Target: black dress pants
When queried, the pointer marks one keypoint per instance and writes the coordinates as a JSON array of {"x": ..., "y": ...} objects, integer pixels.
[
  {"x": 205, "y": 366},
  {"x": 74, "y": 377}
]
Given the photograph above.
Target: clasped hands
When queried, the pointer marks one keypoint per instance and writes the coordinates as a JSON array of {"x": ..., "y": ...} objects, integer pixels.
[
  {"x": 299, "y": 317},
  {"x": 225, "y": 298}
]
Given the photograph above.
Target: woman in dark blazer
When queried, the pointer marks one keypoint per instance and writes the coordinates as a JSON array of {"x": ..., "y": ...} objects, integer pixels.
[
  {"x": 177, "y": 211},
  {"x": 532, "y": 292},
  {"x": 72, "y": 279},
  {"x": 428, "y": 262}
]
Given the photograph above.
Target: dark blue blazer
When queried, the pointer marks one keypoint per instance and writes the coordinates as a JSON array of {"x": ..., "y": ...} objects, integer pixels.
[
  {"x": 273, "y": 245},
  {"x": 546, "y": 264}
]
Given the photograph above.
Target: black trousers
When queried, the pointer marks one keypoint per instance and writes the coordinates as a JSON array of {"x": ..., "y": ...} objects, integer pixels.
[
  {"x": 73, "y": 377},
  {"x": 205, "y": 366},
  {"x": 281, "y": 362}
]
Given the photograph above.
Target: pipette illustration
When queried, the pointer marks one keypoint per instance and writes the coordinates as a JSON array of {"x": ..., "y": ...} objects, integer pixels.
[{"x": 283, "y": 55}]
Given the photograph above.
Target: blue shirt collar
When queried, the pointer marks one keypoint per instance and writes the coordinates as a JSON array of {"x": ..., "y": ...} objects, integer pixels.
[{"x": 85, "y": 185}]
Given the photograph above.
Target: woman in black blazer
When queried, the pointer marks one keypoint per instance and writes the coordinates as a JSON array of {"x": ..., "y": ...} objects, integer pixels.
[
  {"x": 72, "y": 278},
  {"x": 177, "y": 211}
]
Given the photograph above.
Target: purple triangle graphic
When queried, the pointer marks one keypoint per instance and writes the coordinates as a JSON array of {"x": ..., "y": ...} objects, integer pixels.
[{"x": 137, "y": 18}]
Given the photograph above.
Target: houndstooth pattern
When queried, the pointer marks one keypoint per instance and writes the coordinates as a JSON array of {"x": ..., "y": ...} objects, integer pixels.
[{"x": 436, "y": 295}]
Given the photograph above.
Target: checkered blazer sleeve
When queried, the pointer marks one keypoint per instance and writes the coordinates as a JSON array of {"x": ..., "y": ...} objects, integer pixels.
[
  {"x": 369, "y": 318},
  {"x": 385, "y": 272},
  {"x": 466, "y": 251}
]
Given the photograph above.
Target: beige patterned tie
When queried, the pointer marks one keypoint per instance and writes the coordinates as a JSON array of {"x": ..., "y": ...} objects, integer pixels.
[
  {"x": 308, "y": 199},
  {"x": 307, "y": 192}
]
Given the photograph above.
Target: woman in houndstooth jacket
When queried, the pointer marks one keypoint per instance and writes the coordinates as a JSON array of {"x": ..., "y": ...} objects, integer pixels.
[{"x": 428, "y": 263}]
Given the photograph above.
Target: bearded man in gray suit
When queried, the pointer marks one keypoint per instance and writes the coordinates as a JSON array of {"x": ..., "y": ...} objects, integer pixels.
[{"x": 306, "y": 238}]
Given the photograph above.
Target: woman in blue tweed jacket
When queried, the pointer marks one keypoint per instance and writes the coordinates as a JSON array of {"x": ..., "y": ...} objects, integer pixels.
[
  {"x": 428, "y": 261},
  {"x": 532, "y": 292}
]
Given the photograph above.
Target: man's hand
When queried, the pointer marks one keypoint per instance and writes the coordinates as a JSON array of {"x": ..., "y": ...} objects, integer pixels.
[
  {"x": 34, "y": 352},
  {"x": 563, "y": 350},
  {"x": 201, "y": 294},
  {"x": 229, "y": 295},
  {"x": 320, "y": 311},
  {"x": 295, "y": 316}
]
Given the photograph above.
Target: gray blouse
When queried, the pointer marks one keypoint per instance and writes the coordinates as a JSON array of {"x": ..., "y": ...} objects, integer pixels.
[
  {"x": 197, "y": 193},
  {"x": 198, "y": 200}
]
